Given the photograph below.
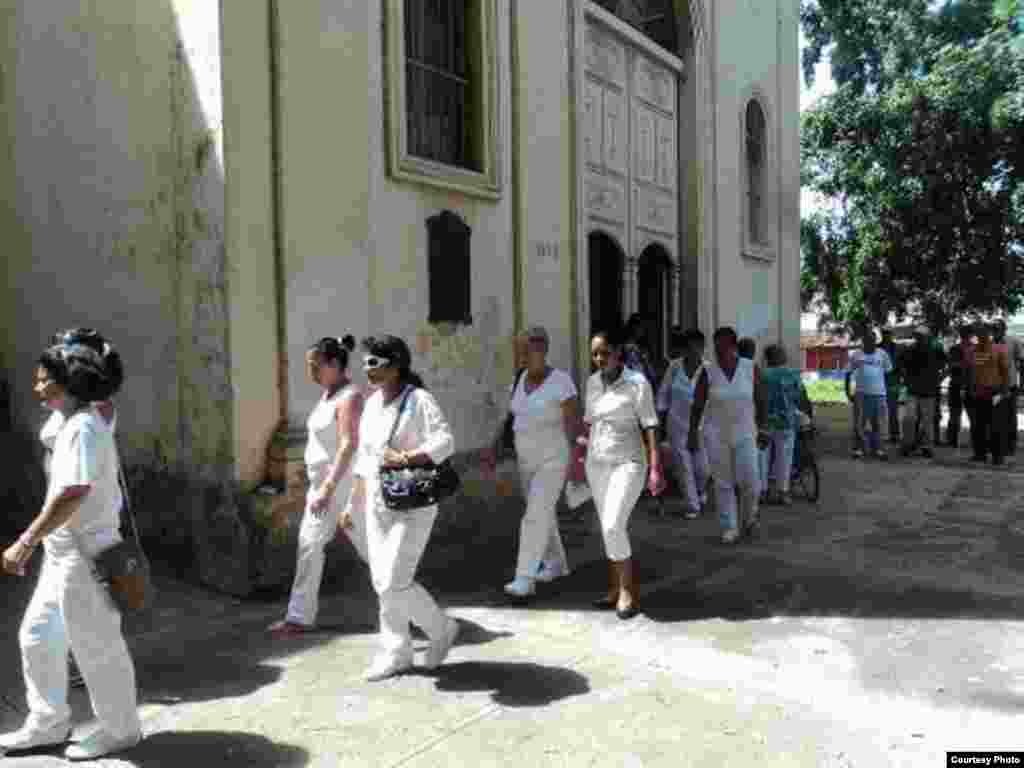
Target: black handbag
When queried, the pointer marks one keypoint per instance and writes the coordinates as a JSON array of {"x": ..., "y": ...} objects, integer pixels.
[
  {"x": 508, "y": 435},
  {"x": 409, "y": 488},
  {"x": 124, "y": 568}
]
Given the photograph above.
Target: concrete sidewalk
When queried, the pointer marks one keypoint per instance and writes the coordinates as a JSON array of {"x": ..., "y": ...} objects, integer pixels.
[{"x": 878, "y": 627}]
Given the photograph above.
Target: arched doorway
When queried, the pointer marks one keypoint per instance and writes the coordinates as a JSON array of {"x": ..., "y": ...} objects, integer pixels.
[
  {"x": 654, "y": 298},
  {"x": 606, "y": 261}
]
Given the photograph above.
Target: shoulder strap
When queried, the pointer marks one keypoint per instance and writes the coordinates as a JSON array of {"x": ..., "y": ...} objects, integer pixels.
[
  {"x": 128, "y": 509},
  {"x": 401, "y": 407}
]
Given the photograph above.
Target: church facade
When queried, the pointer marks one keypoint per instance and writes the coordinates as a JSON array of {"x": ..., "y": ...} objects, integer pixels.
[{"x": 218, "y": 187}]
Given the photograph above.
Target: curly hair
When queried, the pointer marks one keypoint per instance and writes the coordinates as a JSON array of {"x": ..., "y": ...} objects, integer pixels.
[{"x": 80, "y": 371}]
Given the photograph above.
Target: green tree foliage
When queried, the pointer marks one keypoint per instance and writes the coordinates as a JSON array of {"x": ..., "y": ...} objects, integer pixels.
[{"x": 921, "y": 147}]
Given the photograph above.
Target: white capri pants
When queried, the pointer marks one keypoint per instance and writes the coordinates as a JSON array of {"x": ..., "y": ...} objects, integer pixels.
[
  {"x": 616, "y": 487},
  {"x": 315, "y": 533},
  {"x": 732, "y": 466},
  {"x": 71, "y": 608},
  {"x": 396, "y": 543},
  {"x": 539, "y": 538},
  {"x": 781, "y": 442},
  {"x": 691, "y": 468}
]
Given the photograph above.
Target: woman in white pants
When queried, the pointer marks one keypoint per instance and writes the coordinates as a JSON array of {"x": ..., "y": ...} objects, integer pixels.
[
  {"x": 70, "y": 608},
  {"x": 730, "y": 389},
  {"x": 622, "y": 455},
  {"x": 396, "y": 539},
  {"x": 675, "y": 398},
  {"x": 333, "y": 436},
  {"x": 545, "y": 421}
]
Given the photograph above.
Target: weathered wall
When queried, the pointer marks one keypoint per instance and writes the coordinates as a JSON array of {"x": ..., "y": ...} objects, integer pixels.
[
  {"x": 759, "y": 297},
  {"x": 118, "y": 223},
  {"x": 355, "y": 241}
]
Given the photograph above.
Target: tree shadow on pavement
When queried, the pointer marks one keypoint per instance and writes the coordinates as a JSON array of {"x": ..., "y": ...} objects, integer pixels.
[{"x": 513, "y": 684}]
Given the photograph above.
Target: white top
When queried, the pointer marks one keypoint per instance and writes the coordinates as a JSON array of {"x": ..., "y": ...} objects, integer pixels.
[
  {"x": 421, "y": 427},
  {"x": 616, "y": 415},
  {"x": 322, "y": 428},
  {"x": 48, "y": 434},
  {"x": 869, "y": 370},
  {"x": 84, "y": 453},
  {"x": 537, "y": 418},
  {"x": 729, "y": 415},
  {"x": 676, "y": 394}
]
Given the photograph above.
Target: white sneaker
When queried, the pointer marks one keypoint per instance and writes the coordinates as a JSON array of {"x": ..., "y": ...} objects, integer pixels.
[
  {"x": 520, "y": 586},
  {"x": 100, "y": 743},
  {"x": 387, "y": 666},
  {"x": 730, "y": 536},
  {"x": 439, "y": 647},
  {"x": 31, "y": 736},
  {"x": 548, "y": 572}
]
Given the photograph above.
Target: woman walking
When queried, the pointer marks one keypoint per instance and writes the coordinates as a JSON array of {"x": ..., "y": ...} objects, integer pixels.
[
  {"x": 79, "y": 520},
  {"x": 782, "y": 390},
  {"x": 729, "y": 388},
  {"x": 545, "y": 422},
  {"x": 622, "y": 455},
  {"x": 401, "y": 426},
  {"x": 675, "y": 399},
  {"x": 333, "y": 429}
]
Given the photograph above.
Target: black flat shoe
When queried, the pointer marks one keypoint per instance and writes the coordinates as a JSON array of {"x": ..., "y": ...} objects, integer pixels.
[
  {"x": 627, "y": 613},
  {"x": 604, "y": 603}
]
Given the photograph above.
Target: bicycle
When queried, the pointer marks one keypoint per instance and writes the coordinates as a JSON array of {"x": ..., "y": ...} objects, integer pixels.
[{"x": 805, "y": 474}]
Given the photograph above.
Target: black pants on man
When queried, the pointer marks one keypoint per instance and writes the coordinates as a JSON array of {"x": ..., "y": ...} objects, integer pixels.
[
  {"x": 892, "y": 400},
  {"x": 956, "y": 411},
  {"x": 1011, "y": 424},
  {"x": 987, "y": 433}
]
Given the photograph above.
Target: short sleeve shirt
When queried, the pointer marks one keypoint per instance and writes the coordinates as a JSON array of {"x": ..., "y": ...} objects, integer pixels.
[
  {"x": 537, "y": 417},
  {"x": 616, "y": 413},
  {"x": 869, "y": 370},
  {"x": 782, "y": 391},
  {"x": 84, "y": 454}
]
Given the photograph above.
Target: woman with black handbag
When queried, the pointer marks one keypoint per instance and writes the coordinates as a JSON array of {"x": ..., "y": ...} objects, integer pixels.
[
  {"x": 79, "y": 520},
  {"x": 402, "y": 431}
]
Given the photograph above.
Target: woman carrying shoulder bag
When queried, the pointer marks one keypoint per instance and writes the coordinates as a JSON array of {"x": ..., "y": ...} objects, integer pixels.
[
  {"x": 401, "y": 426},
  {"x": 70, "y": 608}
]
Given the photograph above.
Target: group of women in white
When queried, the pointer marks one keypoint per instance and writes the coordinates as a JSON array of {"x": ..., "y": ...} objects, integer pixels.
[{"x": 611, "y": 443}]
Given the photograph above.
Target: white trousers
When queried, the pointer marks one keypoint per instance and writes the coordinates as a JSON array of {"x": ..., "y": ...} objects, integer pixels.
[
  {"x": 734, "y": 466},
  {"x": 616, "y": 488},
  {"x": 315, "y": 533},
  {"x": 70, "y": 608},
  {"x": 539, "y": 538},
  {"x": 780, "y": 445},
  {"x": 691, "y": 468},
  {"x": 396, "y": 543}
]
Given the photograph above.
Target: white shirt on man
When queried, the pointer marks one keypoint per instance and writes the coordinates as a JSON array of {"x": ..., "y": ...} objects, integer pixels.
[
  {"x": 537, "y": 418},
  {"x": 869, "y": 369}
]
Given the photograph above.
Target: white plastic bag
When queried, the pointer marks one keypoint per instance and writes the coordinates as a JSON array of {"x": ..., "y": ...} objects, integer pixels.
[{"x": 576, "y": 494}]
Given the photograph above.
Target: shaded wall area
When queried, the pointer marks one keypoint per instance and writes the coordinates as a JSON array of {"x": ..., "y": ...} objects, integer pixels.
[{"x": 113, "y": 217}]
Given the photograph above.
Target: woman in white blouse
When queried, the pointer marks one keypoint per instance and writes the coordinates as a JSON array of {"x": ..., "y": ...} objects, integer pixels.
[
  {"x": 730, "y": 389},
  {"x": 396, "y": 539},
  {"x": 545, "y": 411},
  {"x": 622, "y": 455},
  {"x": 333, "y": 436}
]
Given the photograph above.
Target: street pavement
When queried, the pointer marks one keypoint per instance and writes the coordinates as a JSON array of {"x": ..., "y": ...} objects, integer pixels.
[{"x": 881, "y": 626}]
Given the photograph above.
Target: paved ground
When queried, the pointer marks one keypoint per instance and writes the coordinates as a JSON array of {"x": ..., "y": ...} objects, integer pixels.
[{"x": 879, "y": 627}]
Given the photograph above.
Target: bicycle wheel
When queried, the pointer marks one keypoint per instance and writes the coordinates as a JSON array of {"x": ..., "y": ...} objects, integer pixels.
[{"x": 809, "y": 479}]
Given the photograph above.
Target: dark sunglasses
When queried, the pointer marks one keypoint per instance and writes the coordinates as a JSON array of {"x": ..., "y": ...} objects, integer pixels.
[{"x": 373, "y": 362}]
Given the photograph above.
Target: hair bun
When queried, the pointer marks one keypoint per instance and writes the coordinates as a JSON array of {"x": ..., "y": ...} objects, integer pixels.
[{"x": 348, "y": 341}]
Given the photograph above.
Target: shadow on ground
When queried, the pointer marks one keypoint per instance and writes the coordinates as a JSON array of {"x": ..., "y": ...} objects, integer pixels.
[{"x": 513, "y": 684}]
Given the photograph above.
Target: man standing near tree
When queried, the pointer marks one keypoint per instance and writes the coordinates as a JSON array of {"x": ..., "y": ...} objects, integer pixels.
[
  {"x": 988, "y": 376},
  {"x": 1014, "y": 352},
  {"x": 892, "y": 386},
  {"x": 923, "y": 365}
]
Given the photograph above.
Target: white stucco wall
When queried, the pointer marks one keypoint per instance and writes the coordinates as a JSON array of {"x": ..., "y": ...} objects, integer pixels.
[
  {"x": 116, "y": 191},
  {"x": 756, "y": 52}
]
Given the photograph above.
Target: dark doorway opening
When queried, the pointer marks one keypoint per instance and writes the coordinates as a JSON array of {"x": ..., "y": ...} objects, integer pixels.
[
  {"x": 606, "y": 261},
  {"x": 654, "y": 299}
]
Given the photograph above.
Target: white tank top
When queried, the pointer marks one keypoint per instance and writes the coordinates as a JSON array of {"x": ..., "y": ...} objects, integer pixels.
[
  {"x": 730, "y": 410},
  {"x": 322, "y": 441}
]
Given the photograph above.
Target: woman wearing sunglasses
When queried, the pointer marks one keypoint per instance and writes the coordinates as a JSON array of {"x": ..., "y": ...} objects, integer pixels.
[
  {"x": 401, "y": 425},
  {"x": 333, "y": 429}
]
